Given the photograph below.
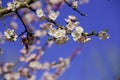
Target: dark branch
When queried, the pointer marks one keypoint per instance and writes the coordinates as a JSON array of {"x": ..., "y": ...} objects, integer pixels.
[
  {"x": 22, "y": 22},
  {"x": 75, "y": 9}
]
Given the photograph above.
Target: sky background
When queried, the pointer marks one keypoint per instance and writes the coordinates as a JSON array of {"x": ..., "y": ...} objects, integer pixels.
[{"x": 99, "y": 59}]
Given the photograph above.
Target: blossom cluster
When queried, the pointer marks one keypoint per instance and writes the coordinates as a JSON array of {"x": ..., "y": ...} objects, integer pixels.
[
  {"x": 72, "y": 28},
  {"x": 52, "y": 14},
  {"x": 60, "y": 68},
  {"x": 31, "y": 37},
  {"x": 61, "y": 65}
]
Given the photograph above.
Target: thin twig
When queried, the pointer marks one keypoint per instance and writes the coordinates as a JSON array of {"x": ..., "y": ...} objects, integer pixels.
[
  {"x": 75, "y": 9},
  {"x": 92, "y": 34},
  {"x": 21, "y": 33},
  {"x": 22, "y": 22}
]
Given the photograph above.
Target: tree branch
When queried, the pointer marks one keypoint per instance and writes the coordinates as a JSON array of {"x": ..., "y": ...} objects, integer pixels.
[
  {"x": 24, "y": 4},
  {"x": 82, "y": 14},
  {"x": 22, "y": 22}
]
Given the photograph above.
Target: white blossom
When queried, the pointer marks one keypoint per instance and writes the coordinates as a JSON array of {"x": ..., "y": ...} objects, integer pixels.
[
  {"x": 62, "y": 40},
  {"x": 50, "y": 43},
  {"x": 22, "y": 58},
  {"x": 51, "y": 31},
  {"x": 53, "y": 15},
  {"x": 77, "y": 33},
  {"x": 23, "y": 51},
  {"x": 72, "y": 26},
  {"x": 70, "y": 19},
  {"x": 31, "y": 57},
  {"x": 16, "y": 76},
  {"x": 67, "y": 61},
  {"x": 10, "y": 6},
  {"x": 24, "y": 71},
  {"x": 47, "y": 25},
  {"x": 40, "y": 33},
  {"x": 13, "y": 6},
  {"x": 12, "y": 76},
  {"x": 39, "y": 13},
  {"x": 103, "y": 35},
  {"x": 59, "y": 33},
  {"x": 35, "y": 65},
  {"x": 46, "y": 66},
  {"x": 86, "y": 40},
  {"x": 47, "y": 76},
  {"x": 7, "y": 67},
  {"x": 79, "y": 29},
  {"x": 10, "y": 35},
  {"x": 75, "y": 4}
]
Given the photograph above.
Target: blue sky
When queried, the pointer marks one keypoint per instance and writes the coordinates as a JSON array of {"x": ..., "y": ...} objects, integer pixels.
[{"x": 99, "y": 59}]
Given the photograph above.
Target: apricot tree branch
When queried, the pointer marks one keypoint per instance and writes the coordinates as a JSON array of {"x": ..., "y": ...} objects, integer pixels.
[{"x": 4, "y": 11}]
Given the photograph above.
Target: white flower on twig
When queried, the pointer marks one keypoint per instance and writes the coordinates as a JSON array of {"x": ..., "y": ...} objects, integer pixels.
[
  {"x": 53, "y": 15},
  {"x": 70, "y": 19},
  {"x": 103, "y": 35},
  {"x": 77, "y": 33},
  {"x": 75, "y": 4},
  {"x": 35, "y": 65},
  {"x": 13, "y": 6},
  {"x": 39, "y": 13},
  {"x": 51, "y": 31},
  {"x": 72, "y": 26},
  {"x": 57, "y": 33},
  {"x": 79, "y": 29},
  {"x": 10, "y": 35}
]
